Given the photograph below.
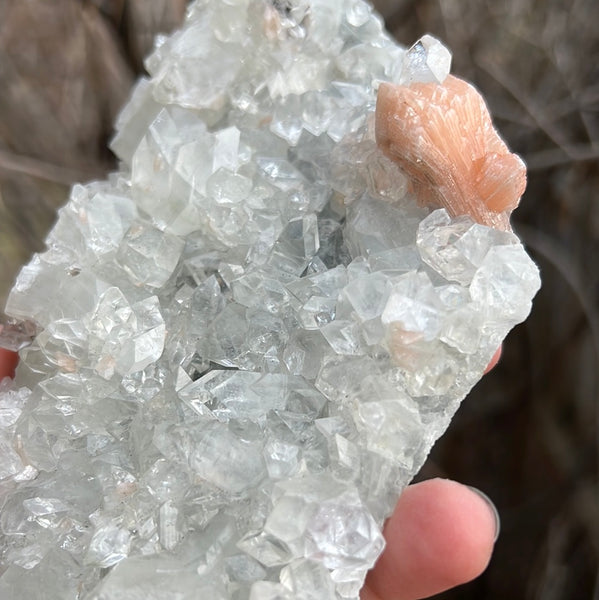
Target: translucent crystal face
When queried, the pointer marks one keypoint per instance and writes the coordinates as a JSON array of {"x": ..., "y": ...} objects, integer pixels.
[{"x": 249, "y": 336}]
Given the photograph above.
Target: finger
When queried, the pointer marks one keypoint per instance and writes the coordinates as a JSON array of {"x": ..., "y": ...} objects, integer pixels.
[
  {"x": 8, "y": 363},
  {"x": 494, "y": 360},
  {"x": 441, "y": 535}
]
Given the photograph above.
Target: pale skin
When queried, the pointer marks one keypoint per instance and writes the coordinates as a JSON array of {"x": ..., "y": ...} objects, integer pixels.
[{"x": 440, "y": 535}]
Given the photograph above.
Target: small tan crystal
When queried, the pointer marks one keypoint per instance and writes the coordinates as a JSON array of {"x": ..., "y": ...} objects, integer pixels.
[{"x": 442, "y": 136}]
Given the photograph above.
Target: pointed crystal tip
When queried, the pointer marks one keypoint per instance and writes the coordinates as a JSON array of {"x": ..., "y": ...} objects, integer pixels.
[{"x": 14, "y": 334}]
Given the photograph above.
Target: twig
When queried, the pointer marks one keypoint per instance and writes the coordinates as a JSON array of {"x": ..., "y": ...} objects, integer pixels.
[{"x": 43, "y": 170}]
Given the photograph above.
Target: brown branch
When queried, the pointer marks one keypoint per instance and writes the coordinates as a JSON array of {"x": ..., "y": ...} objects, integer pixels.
[{"x": 33, "y": 167}]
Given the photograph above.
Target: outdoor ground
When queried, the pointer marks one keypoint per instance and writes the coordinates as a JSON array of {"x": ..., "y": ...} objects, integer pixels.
[{"x": 528, "y": 434}]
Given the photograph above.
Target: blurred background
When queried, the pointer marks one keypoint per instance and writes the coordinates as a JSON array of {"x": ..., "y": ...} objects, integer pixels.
[{"x": 528, "y": 434}]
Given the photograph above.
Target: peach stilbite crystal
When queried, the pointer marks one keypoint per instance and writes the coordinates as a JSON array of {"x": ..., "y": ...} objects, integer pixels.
[{"x": 442, "y": 136}]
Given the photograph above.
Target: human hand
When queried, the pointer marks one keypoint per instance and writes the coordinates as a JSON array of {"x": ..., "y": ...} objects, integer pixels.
[
  {"x": 440, "y": 535},
  {"x": 8, "y": 363}
]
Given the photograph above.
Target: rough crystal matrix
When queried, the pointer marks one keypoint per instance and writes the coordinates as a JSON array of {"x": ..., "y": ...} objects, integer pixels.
[{"x": 250, "y": 335}]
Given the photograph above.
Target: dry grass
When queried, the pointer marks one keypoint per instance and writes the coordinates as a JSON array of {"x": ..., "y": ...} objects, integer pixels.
[{"x": 528, "y": 434}]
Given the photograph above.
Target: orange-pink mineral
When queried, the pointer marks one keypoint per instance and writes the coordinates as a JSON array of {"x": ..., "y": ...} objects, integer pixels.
[{"x": 442, "y": 136}]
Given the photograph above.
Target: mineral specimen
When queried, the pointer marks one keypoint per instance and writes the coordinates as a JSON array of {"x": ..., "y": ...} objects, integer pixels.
[
  {"x": 442, "y": 136},
  {"x": 250, "y": 336}
]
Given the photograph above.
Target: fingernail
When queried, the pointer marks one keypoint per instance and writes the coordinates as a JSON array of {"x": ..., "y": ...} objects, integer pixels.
[{"x": 492, "y": 508}]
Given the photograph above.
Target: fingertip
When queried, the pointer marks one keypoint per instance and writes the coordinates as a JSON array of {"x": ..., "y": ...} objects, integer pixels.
[
  {"x": 441, "y": 535},
  {"x": 8, "y": 363},
  {"x": 494, "y": 360}
]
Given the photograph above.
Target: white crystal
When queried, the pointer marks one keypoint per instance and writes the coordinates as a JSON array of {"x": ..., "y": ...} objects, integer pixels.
[
  {"x": 342, "y": 534},
  {"x": 221, "y": 458},
  {"x": 455, "y": 248},
  {"x": 11, "y": 461},
  {"x": 109, "y": 545},
  {"x": 505, "y": 279},
  {"x": 308, "y": 579},
  {"x": 149, "y": 256},
  {"x": 169, "y": 531},
  {"x": 426, "y": 61},
  {"x": 243, "y": 568},
  {"x": 296, "y": 245},
  {"x": 226, "y": 149},
  {"x": 125, "y": 338},
  {"x": 268, "y": 590},
  {"x": 413, "y": 304}
]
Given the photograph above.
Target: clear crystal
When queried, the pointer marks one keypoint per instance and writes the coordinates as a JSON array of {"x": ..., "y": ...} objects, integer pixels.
[
  {"x": 296, "y": 246},
  {"x": 14, "y": 334},
  {"x": 268, "y": 590},
  {"x": 169, "y": 533},
  {"x": 426, "y": 61},
  {"x": 455, "y": 248},
  {"x": 109, "y": 545},
  {"x": 149, "y": 256}
]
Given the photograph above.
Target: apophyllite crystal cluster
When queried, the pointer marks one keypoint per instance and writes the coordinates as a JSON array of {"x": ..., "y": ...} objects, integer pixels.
[{"x": 250, "y": 336}]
